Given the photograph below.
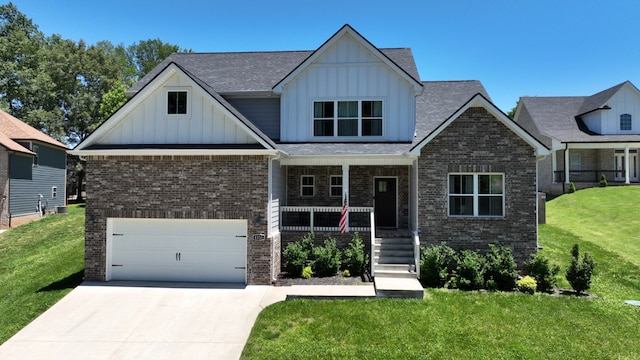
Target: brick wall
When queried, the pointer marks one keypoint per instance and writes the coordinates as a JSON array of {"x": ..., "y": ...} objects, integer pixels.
[
  {"x": 188, "y": 187},
  {"x": 477, "y": 142}
]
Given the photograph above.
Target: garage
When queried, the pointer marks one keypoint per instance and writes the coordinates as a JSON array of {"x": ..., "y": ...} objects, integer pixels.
[{"x": 187, "y": 250}]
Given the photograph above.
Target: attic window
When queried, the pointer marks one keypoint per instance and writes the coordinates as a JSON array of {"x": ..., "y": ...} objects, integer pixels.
[
  {"x": 177, "y": 102},
  {"x": 625, "y": 122}
]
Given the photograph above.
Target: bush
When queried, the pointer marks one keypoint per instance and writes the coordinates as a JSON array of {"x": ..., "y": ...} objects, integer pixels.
[
  {"x": 355, "y": 259},
  {"x": 579, "y": 273},
  {"x": 469, "y": 270},
  {"x": 327, "y": 258},
  {"x": 346, "y": 273},
  {"x": 603, "y": 181},
  {"x": 572, "y": 187},
  {"x": 527, "y": 285},
  {"x": 306, "y": 272},
  {"x": 436, "y": 263},
  {"x": 545, "y": 274},
  {"x": 297, "y": 255},
  {"x": 500, "y": 271}
]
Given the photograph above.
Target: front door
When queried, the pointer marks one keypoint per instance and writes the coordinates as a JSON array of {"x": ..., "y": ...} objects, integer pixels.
[
  {"x": 619, "y": 166},
  {"x": 385, "y": 202},
  {"x": 633, "y": 166}
]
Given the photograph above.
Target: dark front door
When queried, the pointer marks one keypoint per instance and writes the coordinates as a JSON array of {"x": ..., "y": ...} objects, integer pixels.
[{"x": 385, "y": 202}]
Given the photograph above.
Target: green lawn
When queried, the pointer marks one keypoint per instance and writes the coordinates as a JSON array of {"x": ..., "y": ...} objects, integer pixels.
[
  {"x": 40, "y": 262},
  {"x": 481, "y": 325}
]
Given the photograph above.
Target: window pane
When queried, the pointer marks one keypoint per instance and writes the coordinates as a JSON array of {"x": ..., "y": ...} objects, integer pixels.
[
  {"x": 490, "y": 184},
  {"x": 372, "y": 109},
  {"x": 625, "y": 122},
  {"x": 307, "y": 180},
  {"x": 172, "y": 102},
  {"x": 460, "y": 184},
  {"x": 371, "y": 127},
  {"x": 323, "y": 128},
  {"x": 336, "y": 180},
  {"x": 496, "y": 184},
  {"x": 460, "y": 205},
  {"x": 490, "y": 206},
  {"x": 347, "y": 109},
  {"x": 323, "y": 109},
  {"x": 307, "y": 191},
  {"x": 348, "y": 127},
  {"x": 182, "y": 102}
]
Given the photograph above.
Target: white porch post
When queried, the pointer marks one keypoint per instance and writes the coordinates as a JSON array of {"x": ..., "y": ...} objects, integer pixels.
[
  {"x": 554, "y": 166},
  {"x": 566, "y": 165},
  {"x": 345, "y": 188},
  {"x": 626, "y": 165}
]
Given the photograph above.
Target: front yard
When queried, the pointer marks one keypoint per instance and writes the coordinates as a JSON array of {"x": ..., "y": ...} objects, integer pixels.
[{"x": 456, "y": 324}]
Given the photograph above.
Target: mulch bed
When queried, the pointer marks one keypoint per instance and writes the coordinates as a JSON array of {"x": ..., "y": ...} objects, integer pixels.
[{"x": 285, "y": 279}]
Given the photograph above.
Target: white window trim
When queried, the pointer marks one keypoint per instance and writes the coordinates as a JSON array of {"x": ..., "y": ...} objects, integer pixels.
[
  {"x": 475, "y": 196},
  {"x": 335, "y": 120},
  {"x": 303, "y": 186},
  {"x": 166, "y": 102},
  {"x": 331, "y": 186}
]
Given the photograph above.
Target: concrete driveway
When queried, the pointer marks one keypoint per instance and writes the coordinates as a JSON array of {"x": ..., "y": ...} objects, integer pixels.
[{"x": 136, "y": 321}]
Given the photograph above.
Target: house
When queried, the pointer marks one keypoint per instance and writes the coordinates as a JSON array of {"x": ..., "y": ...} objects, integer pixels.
[
  {"x": 32, "y": 172},
  {"x": 589, "y": 136},
  {"x": 219, "y": 160}
]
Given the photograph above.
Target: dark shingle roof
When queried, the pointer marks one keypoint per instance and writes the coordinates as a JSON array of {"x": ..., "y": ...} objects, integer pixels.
[
  {"x": 558, "y": 116},
  {"x": 234, "y": 72}
]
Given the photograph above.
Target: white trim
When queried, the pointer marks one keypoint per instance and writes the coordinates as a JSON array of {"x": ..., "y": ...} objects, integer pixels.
[
  {"x": 331, "y": 186},
  {"x": 348, "y": 160},
  {"x": 480, "y": 101},
  {"x": 476, "y": 195},
  {"x": 396, "y": 195},
  {"x": 303, "y": 186},
  {"x": 177, "y": 116},
  {"x": 604, "y": 145},
  {"x": 359, "y": 136}
]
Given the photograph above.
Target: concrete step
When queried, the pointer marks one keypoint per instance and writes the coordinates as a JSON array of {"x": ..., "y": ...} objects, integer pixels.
[
  {"x": 396, "y": 274},
  {"x": 384, "y": 259},
  {"x": 393, "y": 252},
  {"x": 405, "y": 288},
  {"x": 393, "y": 241},
  {"x": 394, "y": 267}
]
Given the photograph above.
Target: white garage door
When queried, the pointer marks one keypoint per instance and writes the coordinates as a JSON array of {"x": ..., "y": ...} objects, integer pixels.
[{"x": 177, "y": 250}]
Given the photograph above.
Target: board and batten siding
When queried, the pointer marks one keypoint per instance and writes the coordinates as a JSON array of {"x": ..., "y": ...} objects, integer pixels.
[
  {"x": 262, "y": 112},
  {"x": 347, "y": 71},
  {"x": 205, "y": 123},
  {"x": 25, "y": 192},
  {"x": 624, "y": 101}
]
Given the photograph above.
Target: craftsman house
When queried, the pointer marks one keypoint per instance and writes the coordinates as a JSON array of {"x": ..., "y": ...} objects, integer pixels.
[
  {"x": 589, "y": 136},
  {"x": 218, "y": 160},
  {"x": 32, "y": 172}
]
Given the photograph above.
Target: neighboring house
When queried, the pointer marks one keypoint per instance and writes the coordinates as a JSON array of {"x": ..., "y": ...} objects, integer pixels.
[
  {"x": 219, "y": 160},
  {"x": 32, "y": 172},
  {"x": 589, "y": 136}
]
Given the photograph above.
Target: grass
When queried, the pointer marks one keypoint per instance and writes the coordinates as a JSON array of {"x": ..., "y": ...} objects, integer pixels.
[
  {"x": 40, "y": 263},
  {"x": 456, "y": 324}
]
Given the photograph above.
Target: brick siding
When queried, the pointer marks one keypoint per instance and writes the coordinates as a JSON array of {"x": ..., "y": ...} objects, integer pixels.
[
  {"x": 180, "y": 187},
  {"x": 477, "y": 142}
]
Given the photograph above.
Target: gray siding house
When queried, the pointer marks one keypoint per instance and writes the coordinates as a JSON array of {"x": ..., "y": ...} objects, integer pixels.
[
  {"x": 32, "y": 172},
  {"x": 219, "y": 160}
]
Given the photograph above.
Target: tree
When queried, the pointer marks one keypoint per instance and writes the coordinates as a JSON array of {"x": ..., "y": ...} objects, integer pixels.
[
  {"x": 146, "y": 54},
  {"x": 512, "y": 113},
  {"x": 113, "y": 100}
]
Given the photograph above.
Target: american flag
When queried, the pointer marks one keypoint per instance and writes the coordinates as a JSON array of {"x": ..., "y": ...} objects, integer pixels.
[{"x": 343, "y": 215}]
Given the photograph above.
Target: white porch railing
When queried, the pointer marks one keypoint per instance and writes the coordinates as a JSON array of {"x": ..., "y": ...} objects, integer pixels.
[
  {"x": 372, "y": 257},
  {"x": 323, "y": 218},
  {"x": 416, "y": 251}
]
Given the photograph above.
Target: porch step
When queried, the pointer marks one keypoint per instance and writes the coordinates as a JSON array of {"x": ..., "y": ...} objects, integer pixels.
[
  {"x": 397, "y": 271},
  {"x": 398, "y": 288}
]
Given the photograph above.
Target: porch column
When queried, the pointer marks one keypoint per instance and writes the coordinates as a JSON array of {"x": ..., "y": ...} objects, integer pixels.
[
  {"x": 345, "y": 188},
  {"x": 626, "y": 165},
  {"x": 566, "y": 165}
]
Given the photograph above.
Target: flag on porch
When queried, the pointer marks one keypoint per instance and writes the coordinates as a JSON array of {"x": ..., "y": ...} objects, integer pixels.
[{"x": 343, "y": 215}]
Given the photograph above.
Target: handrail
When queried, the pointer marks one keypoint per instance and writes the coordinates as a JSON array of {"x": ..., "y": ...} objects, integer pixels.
[
  {"x": 373, "y": 242},
  {"x": 416, "y": 251}
]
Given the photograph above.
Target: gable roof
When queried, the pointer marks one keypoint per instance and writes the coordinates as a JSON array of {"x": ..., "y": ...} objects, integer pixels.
[
  {"x": 558, "y": 117},
  {"x": 12, "y": 130},
  {"x": 348, "y": 30},
  {"x": 91, "y": 142},
  {"x": 479, "y": 100}
]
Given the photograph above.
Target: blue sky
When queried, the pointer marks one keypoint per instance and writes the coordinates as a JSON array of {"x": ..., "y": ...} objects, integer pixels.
[{"x": 515, "y": 47}]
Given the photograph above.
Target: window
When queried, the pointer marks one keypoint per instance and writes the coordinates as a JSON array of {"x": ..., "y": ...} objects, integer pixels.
[
  {"x": 352, "y": 118},
  {"x": 479, "y": 195},
  {"x": 54, "y": 192},
  {"x": 36, "y": 149},
  {"x": 625, "y": 122},
  {"x": 307, "y": 185},
  {"x": 335, "y": 186},
  {"x": 177, "y": 102},
  {"x": 575, "y": 162}
]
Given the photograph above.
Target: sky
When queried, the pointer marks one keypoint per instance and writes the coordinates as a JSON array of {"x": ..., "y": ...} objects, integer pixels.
[{"x": 514, "y": 47}]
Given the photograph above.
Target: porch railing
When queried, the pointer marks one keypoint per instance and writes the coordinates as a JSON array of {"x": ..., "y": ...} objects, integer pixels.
[
  {"x": 416, "y": 251},
  {"x": 323, "y": 218},
  {"x": 372, "y": 263},
  {"x": 581, "y": 176}
]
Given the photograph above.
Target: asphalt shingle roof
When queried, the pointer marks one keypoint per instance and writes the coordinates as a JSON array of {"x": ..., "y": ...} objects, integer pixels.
[{"x": 13, "y": 130}]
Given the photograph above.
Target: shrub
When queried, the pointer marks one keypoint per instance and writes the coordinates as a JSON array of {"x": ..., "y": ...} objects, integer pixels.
[
  {"x": 500, "y": 271},
  {"x": 346, "y": 273},
  {"x": 297, "y": 254},
  {"x": 306, "y": 272},
  {"x": 579, "y": 272},
  {"x": 527, "y": 285},
  {"x": 572, "y": 187},
  {"x": 545, "y": 274},
  {"x": 603, "y": 181},
  {"x": 355, "y": 259},
  {"x": 327, "y": 258},
  {"x": 436, "y": 263},
  {"x": 469, "y": 270}
]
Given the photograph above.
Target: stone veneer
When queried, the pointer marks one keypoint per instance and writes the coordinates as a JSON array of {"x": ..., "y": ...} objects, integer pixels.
[
  {"x": 180, "y": 187},
  {"x": 477, "y": 142}
]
